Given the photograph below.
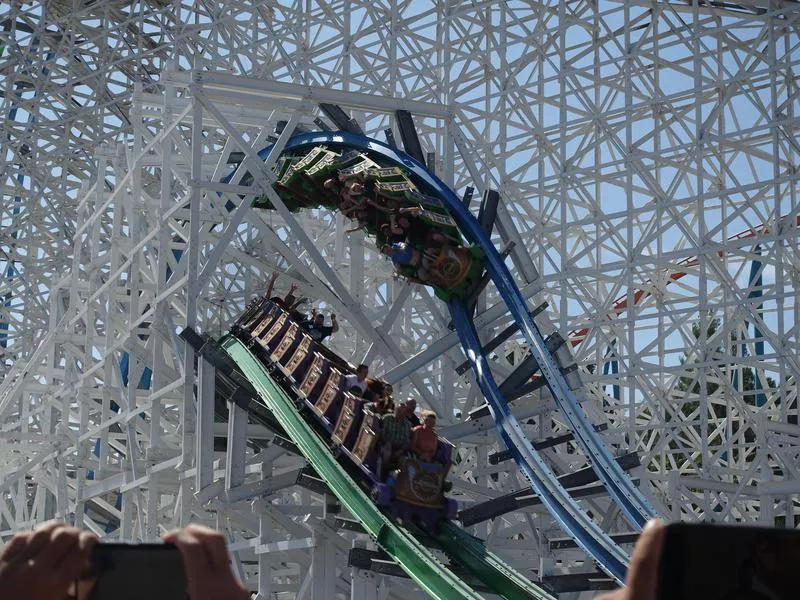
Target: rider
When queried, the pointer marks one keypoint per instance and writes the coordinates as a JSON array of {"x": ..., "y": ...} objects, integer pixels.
[
  {"x": 289, "y": 301},
  {"x": 357, "y": 383},
  {"x": 379, "y": 397},
  {"x": 407, "y": 261},
  {"x": 316, "y": 327},
  {"x": 424, "y": 440},
  {"x": 396, "y": 434}
]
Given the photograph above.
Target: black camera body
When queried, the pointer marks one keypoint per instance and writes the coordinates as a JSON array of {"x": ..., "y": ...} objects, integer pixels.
[
  {"x": 729, "y": 562},
  {"x": 137, "y": 572}
]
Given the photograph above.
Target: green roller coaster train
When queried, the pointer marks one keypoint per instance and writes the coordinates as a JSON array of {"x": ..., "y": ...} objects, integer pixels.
[{"x": 411, "y": 227}]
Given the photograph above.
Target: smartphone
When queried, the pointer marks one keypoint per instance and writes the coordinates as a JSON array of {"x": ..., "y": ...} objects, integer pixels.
[
  {"x": 137, "y": 572},
  {"x": 729, "y": 562}
]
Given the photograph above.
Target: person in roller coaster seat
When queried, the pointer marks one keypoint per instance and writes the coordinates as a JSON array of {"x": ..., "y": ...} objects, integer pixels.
[
  {"x": 289, "y": 302},
  {"x": 352, "y": 201},
  {"x": 402, "y": 254},
  {"x": 424, "y": 440},
  {"x": 383, "y": 405},
  {"x": 356, "y": 383},
  {"x": 273, "y": 278},
  {"x": 351, "y": 193},
  {"x": 407, "y": 260},
  {"x": 399, "y": 227},
  {"x": 379, "y": 397},
  {"x": 395, "y": 435},
  {"x": 388, "y": 235},
  {"x": 316, "y": 328}
]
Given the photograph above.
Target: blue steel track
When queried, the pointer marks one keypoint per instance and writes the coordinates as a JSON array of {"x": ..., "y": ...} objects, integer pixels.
[{"x": 568, "y": 513}]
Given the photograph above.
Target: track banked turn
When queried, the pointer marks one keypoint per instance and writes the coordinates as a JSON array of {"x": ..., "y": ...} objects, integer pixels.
[
  {"x": 630, "y": 500},
  {"x": 575, "y": 521},
  {"x": 619, "y": 486},
  {"x": 406, "y": 549}
]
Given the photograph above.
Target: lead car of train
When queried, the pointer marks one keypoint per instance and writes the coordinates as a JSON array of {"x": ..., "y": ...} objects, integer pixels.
[
  {"x": 411, "y": 227},
  {"x": 315, "y": 375}
]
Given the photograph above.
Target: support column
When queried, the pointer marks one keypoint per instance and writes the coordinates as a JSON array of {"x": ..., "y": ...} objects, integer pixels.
[
  {"x": 151, "y": 532},
  {"x": 190, "y": 261},
  {"x": 205, "y": 424},
  {"x": 260, "y": 507},
  {"x": 237, "y": 445},
  {"x": 126, "y": 522},
  {"x": 363, "y": 584},
  {"x": 323, "y": 568}
]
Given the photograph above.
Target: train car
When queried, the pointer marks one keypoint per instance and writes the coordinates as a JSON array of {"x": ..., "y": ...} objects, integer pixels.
[
  {"x": 413, "y": 229},
  {"x": 315, "y": 376}
]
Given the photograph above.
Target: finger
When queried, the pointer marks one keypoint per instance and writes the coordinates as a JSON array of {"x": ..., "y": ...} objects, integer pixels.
[
  {"x": 86, "y": 544},
  {"x": 214, "y": 544},
  {"x": 74, "y": 561},
  {"x": 62, "y": 542},
  {"x": 39, "y": 539},
  {"x": 195, "y": 559},
  {"x": 16, "y": 546},
  {"x": 49, "y": 525},
  {"x": 642, "y": 580}
]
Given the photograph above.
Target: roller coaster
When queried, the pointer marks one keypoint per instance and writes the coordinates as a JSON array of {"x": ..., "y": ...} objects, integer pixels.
[
  {"x": 432, "y": 239},
  {"x": 626, "y": 166}
]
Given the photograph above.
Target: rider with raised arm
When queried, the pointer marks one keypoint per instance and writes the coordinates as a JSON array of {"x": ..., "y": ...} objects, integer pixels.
[{"x": 316, "y": 328}]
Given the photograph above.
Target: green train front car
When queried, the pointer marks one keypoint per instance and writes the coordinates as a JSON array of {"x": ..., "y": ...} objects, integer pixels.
[{"x": 377, "y": 197}]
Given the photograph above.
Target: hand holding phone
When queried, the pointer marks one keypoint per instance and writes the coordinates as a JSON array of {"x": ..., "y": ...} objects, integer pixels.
[
  {"x": 696, "y": 561},
  {"x": 45, "y": 564},
  {"x": 194, "y": 560}
]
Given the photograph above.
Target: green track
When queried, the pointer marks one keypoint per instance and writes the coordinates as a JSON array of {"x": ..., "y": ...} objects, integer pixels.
[
  {"x": 471, "y": 553},
  {"x": 405, "y": 546},
  {"x": 416, "y": 560}
]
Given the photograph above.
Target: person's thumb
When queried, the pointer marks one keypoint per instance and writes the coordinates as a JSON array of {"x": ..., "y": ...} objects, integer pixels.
[{"x": 642, "y": 580}]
